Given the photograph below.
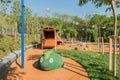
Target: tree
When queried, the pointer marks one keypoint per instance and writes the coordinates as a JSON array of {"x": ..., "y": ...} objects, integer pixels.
[
  {"x": 70, "y": 32},
  {"x": 111, "y": 3},
  {"x": 16, "y": 11},
  {"x": 3, "y": 8},
  {"x": 100, "y": 21},
  {"x": 55, "y": 22},
  {"x": 36, "y": 25},
  {"x": 3, "y": 5},
  {"x": 28, "y": 14},
  {"x": 118, "y": 23}
]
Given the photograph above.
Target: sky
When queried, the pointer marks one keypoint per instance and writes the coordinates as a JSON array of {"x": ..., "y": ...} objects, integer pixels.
[{"x": 69, "y": 7}]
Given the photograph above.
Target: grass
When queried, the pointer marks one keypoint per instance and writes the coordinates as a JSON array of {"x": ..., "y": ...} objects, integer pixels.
[{"x": 95, "y": 63}]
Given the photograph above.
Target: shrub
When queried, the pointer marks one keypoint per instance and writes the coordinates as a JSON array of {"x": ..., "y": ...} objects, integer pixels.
[{"x": 8, "y": 43}]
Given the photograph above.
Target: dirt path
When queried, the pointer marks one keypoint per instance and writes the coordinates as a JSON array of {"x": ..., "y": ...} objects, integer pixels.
[{"x": 71, "y": 71}]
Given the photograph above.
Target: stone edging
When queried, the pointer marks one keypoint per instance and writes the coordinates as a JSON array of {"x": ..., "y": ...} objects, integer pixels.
[{"x": 6, "y": 61}]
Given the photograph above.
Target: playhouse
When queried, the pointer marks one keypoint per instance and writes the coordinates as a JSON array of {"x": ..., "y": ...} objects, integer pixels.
[{"x": 50, "y": 37}]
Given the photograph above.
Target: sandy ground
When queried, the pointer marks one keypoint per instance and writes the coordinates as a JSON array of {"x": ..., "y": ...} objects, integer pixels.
[
  {"x": 71, "y": 71},
  {"x": 89, "y": 47}
]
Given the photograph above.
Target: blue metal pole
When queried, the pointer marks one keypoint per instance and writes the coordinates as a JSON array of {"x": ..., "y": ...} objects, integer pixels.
[{"x": 22, "y": 35}]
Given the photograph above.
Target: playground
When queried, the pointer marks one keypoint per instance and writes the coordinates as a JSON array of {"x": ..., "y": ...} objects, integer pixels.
[
  {"x": 72, "y": 69},
  {"x": 75, "y": 40}
]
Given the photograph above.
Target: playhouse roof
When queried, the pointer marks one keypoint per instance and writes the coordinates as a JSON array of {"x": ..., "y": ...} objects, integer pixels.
[{"x": 49, "y": 28}]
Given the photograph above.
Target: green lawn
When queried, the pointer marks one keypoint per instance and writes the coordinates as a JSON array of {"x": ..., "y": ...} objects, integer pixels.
[{"x": 95, "y": 63}]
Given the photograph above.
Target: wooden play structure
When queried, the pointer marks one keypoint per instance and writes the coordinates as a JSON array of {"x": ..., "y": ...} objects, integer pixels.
[
  {"x": 111, "y": 39},
  {"x": 50, "y": 37}
]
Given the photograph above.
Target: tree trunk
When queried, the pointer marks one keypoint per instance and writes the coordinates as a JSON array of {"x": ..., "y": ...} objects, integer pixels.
[
  {"x": 115, "y": 27},
  {"x": 1, "y": 30},
  {"x": 27, "y": 27},
  {"x": 27, "y": 33},
  {"x": 15, "y": 33}
]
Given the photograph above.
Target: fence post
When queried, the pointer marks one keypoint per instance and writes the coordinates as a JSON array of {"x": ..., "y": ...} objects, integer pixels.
[
  {"x": 110, "y": 53},
  {"x": 102, "y": 45},
  {"x": 98, "y": 44}
]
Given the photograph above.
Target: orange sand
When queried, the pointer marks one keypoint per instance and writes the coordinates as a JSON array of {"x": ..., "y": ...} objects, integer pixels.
[{"x": 71, "y": 71}]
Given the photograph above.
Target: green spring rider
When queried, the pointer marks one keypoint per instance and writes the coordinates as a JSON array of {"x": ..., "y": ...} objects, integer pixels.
[{"x": 50, "y": 60}]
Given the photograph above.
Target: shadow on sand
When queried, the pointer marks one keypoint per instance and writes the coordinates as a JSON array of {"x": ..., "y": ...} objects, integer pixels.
[
  {"x": 35, "y": 65},
  {"x": 68, "y": 66},
  {"x": 13, "y": 74},
  {"x": 75, "y": 69},
  {"x": 74, "y": 66},
  {"x": 33, "y": 57}
]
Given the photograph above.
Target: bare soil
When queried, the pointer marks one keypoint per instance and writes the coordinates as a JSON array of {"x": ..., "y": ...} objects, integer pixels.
[{"x": 87, "y": 47}]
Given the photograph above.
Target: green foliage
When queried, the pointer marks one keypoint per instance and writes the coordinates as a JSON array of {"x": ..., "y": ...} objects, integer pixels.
[
  {"x": 74, "y": 32},
  {"x": 5, "y": 44},
  {"x": 99, "y": 3},
  {"x": 4, "y": 5},
  {"x": 55, "y": 22},
  {"x": 95, "y": 63},
  {"x": 8, "y": 44},
  {"x": 11, "y": 23},
  {"x": 90, "y": 32}
]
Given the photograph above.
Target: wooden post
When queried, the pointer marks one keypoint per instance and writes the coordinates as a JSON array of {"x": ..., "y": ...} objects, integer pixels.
[
  {"x": 114, "y": 51},
  {"x": 72, "y": 40},
  {"x": 55, "y": 38},
  {"x": 43, "y": 38},
  {"x": 102, "y": 45},
  {"x": 110, "y": 53},
  {"x": 98, "y": 44}
]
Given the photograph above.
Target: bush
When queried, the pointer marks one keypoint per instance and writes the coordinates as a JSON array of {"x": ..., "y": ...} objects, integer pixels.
[{"x": 8, "y": 44}]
